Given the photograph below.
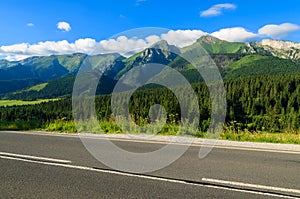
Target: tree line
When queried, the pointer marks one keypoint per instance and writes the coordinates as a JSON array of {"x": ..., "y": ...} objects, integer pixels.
[{"x": 262, "y": 103}]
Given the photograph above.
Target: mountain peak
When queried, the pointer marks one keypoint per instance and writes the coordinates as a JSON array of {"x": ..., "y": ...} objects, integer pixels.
[
  {"x": 282, "y": 49},
  {"x": 165, "y": 46},
  {"x": 279, "y": 44},
  {"x": 209, "y": 39},
  {"x": 160, "y": 44}
]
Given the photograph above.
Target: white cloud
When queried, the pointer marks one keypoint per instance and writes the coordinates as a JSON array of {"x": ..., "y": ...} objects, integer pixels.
[
  {"x": 235, "y": 34},
  {"x": 278, "y": 31},
  {"x": 182, "y": 38},
  {"x": 30, "y": 25},
  {"x": 16, "y": 57},
  {"x": 128, "y": 46},
  {"x": 123, "y": 45},
  {"x": 217, "y": 9},
  {"x": 15, "y": 48},
  {"x": 64, "y": 26},
  {"x": 153, "y": 39},
  {"x": 23, "y": 50}
]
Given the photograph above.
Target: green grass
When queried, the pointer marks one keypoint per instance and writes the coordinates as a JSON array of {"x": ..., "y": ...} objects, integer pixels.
[
  {"x": 285, "y": 138},
  {"x": 109, "y": 127},
  {"x": 61, "y": 126},
  {"x": 249, "y": 59},
  {"x": 37, "y": 87},
  {"x": 6, "y": 103},
  {"x": 20, "y": 125}
]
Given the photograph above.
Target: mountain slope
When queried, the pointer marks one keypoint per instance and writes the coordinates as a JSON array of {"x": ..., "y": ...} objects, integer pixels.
[
  {"x": 161, "y": 52},
  {"x": 35, "y": 70},
  {"x": 258, "y": 65},
  {"x": 214, "y": 45},
  {"x": 8, "y": 86},
  {"x": 49, "y": 67},
  {"x": 234, "y": 59},
  {"x": 61, "y": 87}
]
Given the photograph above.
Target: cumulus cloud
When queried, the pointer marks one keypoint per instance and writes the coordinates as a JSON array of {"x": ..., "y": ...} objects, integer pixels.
[
  {"x": 123, "y": 45},
  {"x": 30, "y": 25},
  {"x": 128, "y": 46},
  {"x": 217, "y": 9},
  {"x": 15, "y": 57},
  {"x": 64, "y": 26},
  {"x": 235, "y": 34},
  {"x": 153, "y": 39},
  {"x": 182, "y": 38},
  {"x": 23, "y": 50},
  {"x": 278, "y": 31}
]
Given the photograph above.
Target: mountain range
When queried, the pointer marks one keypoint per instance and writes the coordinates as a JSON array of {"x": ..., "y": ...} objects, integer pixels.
[{"x": 53, "y": 76}]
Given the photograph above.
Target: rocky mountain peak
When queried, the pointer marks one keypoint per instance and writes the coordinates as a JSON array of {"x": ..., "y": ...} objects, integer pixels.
[
  {"x": 164, "y": 46},
  {"x": 208, "y": 39},
  {"x": 282, "y": 49},
  {"x": 280, "y": 45}
]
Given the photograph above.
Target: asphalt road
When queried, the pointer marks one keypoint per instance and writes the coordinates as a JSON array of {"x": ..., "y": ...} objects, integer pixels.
[{"x": 71, "y": 172}]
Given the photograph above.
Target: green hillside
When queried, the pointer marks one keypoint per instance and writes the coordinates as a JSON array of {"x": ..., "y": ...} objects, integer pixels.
[
  {"x": 8, "y": 86},
  {"x": 213, "y": 45},
  {"x": 61, "y": 87},
  {"x": 257, "y": 65}
]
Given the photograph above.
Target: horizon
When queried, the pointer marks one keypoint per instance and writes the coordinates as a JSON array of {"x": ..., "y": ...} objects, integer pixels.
[
  {"x": 127, "y": 56},
  {"x": 77, "y": 26}
]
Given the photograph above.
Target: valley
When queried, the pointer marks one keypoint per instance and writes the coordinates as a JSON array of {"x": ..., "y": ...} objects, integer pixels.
[{"x": 262, "y": 88}]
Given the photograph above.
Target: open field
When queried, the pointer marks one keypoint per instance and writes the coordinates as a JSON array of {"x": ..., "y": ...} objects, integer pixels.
[{"x": 21, "y": 102}]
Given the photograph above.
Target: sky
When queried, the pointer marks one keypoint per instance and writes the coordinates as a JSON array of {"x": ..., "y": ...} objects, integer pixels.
[{"x": 44, "y": 27}]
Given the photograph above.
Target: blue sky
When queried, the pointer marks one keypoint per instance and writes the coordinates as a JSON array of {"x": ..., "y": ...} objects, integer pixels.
[{"x": 30, "y": 22}]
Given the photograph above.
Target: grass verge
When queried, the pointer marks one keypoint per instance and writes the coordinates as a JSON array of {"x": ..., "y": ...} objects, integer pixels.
[{"x": 109, "y": 127}]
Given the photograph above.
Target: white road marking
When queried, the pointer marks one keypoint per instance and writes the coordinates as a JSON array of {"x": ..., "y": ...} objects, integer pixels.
[
  {"x": 92, "y": 136},
  {"x": 241, "y": 184},
  {"x": 145, "y": 177},
  {"x": 34, "y": 157}
]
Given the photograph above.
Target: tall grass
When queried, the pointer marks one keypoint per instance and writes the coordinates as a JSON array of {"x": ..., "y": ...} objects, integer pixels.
[
  {"x": 286, "y": 138},
  {"x": 61, "y": 126},
  {"x": 20, "y": 125},
  {"x": 111, "y": 127}
]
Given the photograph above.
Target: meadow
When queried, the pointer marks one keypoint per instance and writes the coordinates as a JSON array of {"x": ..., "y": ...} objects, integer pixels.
[{"x": 6, "y": 103}]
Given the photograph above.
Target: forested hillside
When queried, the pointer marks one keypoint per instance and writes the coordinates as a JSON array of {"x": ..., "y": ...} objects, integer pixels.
[{"x": 264, "y": 103}]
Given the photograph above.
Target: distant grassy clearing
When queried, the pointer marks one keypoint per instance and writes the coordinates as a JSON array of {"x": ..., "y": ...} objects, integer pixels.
[
  {"x": 37, "y": 87},
  {"x": 20, "y": 102}
]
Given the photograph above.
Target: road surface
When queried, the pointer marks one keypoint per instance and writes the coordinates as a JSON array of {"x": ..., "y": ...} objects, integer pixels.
[{"x": 43, "y": 165}]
